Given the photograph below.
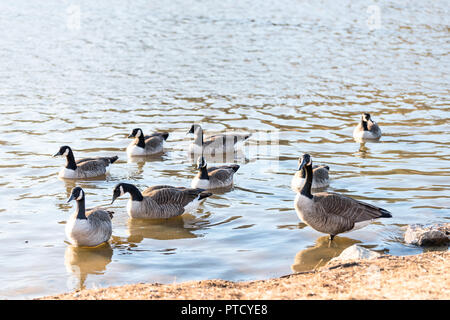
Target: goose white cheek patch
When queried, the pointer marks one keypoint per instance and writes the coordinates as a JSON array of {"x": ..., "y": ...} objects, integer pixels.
[
  {"x": 121, "y": 191},
  {"x": 66, "y": 153},
  {"x": 81, "y": 195}
]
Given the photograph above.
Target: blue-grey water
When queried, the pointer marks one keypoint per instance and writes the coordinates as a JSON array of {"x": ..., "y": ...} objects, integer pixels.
[{"x": 297, "y": 74}]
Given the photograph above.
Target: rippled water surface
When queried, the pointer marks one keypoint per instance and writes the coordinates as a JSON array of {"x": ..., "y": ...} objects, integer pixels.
[{"x": 296, "y": 74}]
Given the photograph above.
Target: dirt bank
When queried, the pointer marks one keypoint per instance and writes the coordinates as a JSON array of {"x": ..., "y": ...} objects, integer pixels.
[{"x": 423, "y": 276}]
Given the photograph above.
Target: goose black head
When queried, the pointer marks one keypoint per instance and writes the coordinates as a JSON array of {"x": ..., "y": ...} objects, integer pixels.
[
  {"x": 77, "y": 193},
  {"x": 194, "y": 128},
  {"x": 119, "y": 190},
  {"x": 304, "y": 160},
  {"x": 201, "y": 162},
  {"x": 136, "y": 133},
  {"x": 365, "y": 117},
  {"x": 63, "y": 151}
]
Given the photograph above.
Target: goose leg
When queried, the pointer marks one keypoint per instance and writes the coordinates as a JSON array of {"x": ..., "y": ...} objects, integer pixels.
[{"x": 331, "y": 237}]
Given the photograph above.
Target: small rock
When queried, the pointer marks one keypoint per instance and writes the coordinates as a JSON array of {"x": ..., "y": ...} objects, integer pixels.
[
  {"x": 435, "y": 235},
  {"x": 355, "y": 252}
]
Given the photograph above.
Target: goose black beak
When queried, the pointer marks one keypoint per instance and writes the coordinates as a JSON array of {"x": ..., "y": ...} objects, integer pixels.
[
  {"x": 131, "y": 136},
  {"x": 56, "y": 155},
  {"x": 300, "y": 167},
  {"x": 113, "y": 198},
  {"x": 71, "y": 198}
]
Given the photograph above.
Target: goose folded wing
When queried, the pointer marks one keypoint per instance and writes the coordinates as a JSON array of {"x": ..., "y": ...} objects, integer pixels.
[
  {"x": 149, "y": 190},
  {"x": 100, "y": 215},
  {"x": 101, "y": 159},
  {"x": 221, "y": 174},
  {"x": 93, "y": 164},
  {"x": 153, "y": 141},
  {"x": 174, "y": 196},
  {"x": 347, "y": 208}
]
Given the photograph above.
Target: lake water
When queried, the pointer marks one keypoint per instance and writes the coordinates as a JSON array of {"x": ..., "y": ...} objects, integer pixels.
[{"x": 297, "y": 74}]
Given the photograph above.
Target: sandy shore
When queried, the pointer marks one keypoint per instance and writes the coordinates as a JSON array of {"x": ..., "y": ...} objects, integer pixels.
[{"x": 423, "y": 276}]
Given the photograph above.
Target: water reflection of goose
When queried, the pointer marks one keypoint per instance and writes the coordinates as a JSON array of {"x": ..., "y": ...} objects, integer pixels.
[
  {"x": 182, "y": 227},
  {"x": 332, "y": 213},
  {"x": 322, "y": 252},
  {"x": 363, "y": 151},
  {"x": 141, "y": 161},
  {"x": 82, "y": 261}
]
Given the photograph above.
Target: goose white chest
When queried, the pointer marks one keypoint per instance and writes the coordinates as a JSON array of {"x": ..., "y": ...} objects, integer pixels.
[
  {"x": 134, "y": 150},
  {"x": 68, "y": 173},
  {"x": 191, "y": 206},
  {"x": 303, "y": 206},
  {"x": 200, "y": 183},
  {"x": 81, "y": 233},
  {"x": 136, "y": 209}
]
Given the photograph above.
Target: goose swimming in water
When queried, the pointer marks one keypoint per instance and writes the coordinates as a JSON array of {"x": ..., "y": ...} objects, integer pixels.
[
  {"x": 332, "y": 213},
  {"x": 83, "y": 168},
  {"x": 367, "y": 129},
  {"x": 146, "y": 145},
  {"x": 219, "y": 143},
  {"x": 214, "y": 177},
  {"x": 159, "y": 202},
  {"x": 320, "y": 177},
  {"x": 89, "y": 227}
]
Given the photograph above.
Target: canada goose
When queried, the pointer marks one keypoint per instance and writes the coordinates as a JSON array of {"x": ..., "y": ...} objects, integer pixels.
[
  {"x": 332, "y": 213},
  {"x": 320, "y": 177},
  {"x": 83, "y": 168},
  {"x": 87, "y": 228},
  {"x": 220, "y": 143},
  {"x": 367, "y": 129},
  {"x": 214, "y": 177},
  {"x": 146, "y": 145},
  {"x": 160, "y": 201}
]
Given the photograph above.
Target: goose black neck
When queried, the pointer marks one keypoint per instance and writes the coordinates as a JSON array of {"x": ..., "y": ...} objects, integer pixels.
[
  {"x": 134, "y": 192},
  {"x": 303, "y": 173},
  {"x": 204, "y": 173},
  {"x": 70, "y": 161},
  {"x": 81, "y": 210},
  {"x": 306, "y": 189},
  {"x": 141, "y": 141},
  {"x": 364, "y": 125}
]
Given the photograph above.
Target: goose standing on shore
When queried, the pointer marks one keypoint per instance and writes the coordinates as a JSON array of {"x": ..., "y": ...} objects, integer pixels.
[
  {"x": 214, "y": 177},
  {"x": 320, "y": 177},
  {"x": 159, "y": 202},
  {"x": 220, "y": 143},
  {"x": 332, "y": 213},
  {"x": 146, "y": 145},
  {"x": 87, "y": 228},
  {"x": 367, "y": 129},
  {"x": 83, "y": 168}
]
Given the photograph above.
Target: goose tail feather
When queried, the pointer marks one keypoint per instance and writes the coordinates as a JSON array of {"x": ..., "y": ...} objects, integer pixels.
[
  {"x": 385, "y": 214},
  {"x": 113, "y": 159},
  {"x": 204, "y": 195}
]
